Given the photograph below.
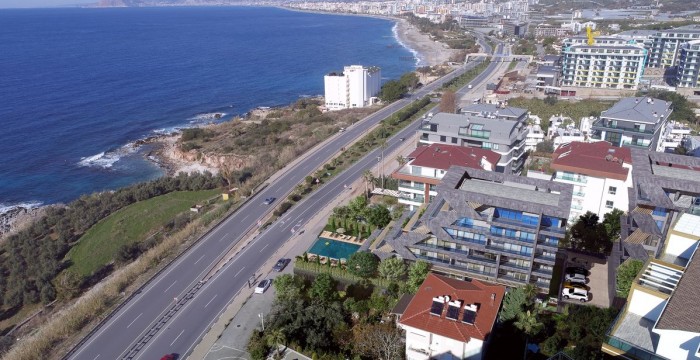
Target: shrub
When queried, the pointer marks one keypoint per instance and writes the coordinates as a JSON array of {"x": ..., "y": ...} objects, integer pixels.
[
  {"x": 283, "y": 208},
  {"x": 626, "y": 273}
]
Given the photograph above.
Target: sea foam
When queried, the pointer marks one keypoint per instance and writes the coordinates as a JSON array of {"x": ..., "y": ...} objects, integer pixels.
[{"x": 416, "y": 54}]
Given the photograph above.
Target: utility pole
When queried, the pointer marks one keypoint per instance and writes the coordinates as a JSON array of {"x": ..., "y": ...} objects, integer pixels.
[{"x": 262, "y": 321}]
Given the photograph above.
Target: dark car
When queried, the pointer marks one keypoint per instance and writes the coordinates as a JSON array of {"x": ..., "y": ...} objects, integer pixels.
[
  {"x": 170, "y": 357},
  {"x": 281, "y": 264},
  {"x": 269, "y": 201},
  {"x": 576, "y": 270}
]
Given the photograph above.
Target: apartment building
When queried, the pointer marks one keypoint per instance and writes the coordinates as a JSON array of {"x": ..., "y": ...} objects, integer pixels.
[
  {"x": 660, "y": 320},
  {"x": 501, "y": 129},
  {"x": 688, "y": 72},
  {"x": 634, "y": 122},
  {"x": 353, "y": 88},
  {"x": 600, "y": 173},
  {"x": 426, "y": 166},
  {"x": 664, "y": 186},
  {"x": 491, "y": 226},
  {"x": 666, "y": 45},
  {"x": 610, "y": 63},
  {"x": 546, "y": 30},
  {"x": 450, "y": 319}
]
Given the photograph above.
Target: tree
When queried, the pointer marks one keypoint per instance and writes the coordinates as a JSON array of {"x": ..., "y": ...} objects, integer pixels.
[
  {"x": 611, "y": 221},
  {"x": 589, "y": 235},
  {"x": 529, "y": 324},
  {"x": 288, "y": 287},
  {"x": 323, "y": 288},
  {"x": 513, "y": 304},
  {"x": 546, "y": 146},
  {"x": 416, "y": 275},
  {"x": 378, "y": 341},
  {"x": 275, "y": 338},
  {"x": 409, "y": 80},
  {"x": 448, "y": 102},
  {"x": 626, "y": 273},
  {"x": 401, "y": 160},
  {"x": 378, "y": 215},
  {"x": 550, "y": 100},
  {"x": 392, "y": 90},
  {"x": 257, "y": 346},
  {"x": 369, "y": 179},
  {"x": 363, "y": 264},
  {"x": 392, "y": 269},
  {"x": 357, "y": 207},
  {"x": 680, "y": 150}
]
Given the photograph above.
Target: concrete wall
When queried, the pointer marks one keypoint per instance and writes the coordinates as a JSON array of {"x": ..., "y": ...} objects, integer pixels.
[
  {"x": 440, "y": 347},
  {"x": 646, "y": 305},
  {"x": 675, "y": 344},
  {"x": 681, "y": 246}
]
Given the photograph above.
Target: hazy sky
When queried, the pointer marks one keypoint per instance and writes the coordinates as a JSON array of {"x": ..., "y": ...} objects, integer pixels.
[{"x": 41, "y": 3}]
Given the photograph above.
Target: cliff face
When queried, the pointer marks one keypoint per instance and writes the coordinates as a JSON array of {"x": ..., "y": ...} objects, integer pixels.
[{"x": 224, "y": 162}]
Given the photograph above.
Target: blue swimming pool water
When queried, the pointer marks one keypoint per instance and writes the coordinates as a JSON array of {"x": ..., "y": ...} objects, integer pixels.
[{"x": 333, "y": 248}]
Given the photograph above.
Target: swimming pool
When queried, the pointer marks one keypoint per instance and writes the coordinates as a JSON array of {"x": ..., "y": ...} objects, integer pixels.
[{"x": 333, "y": 248}]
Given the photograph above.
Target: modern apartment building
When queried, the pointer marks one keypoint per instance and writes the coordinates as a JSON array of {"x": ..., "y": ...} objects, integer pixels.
[
  {"x": 688, "y": 72},
  {"x": 664, "y": 187},
  {"x": 427, "y": 165},
  {"x": 491, "y": 226},
  {"x": 634, "y": 122},
  {"x": 600, "y": 173},
  {"x": 487, "y": 126},
  {"x": 610, "y": 63},
  {"x": 666, "y": 44},
  {"x": 660, "y": 320},
  {"x": 450, "y": 319},
  {"x": 354, "y": 87}
]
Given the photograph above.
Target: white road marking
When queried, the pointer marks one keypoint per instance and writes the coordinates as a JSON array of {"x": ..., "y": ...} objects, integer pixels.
[
  {"x": 198, "y": 260},
  {"x": 171, "y": 285},
  {"x": 261, "y": 250},
  {"x": 98, "y": 355},
  {"x": 178, "y": 336},
  {"x": 242, "y": 220},
  {"x": 132, "y": 321},
  {"x": 239, "y": 271},
  {"x": 212, "y": 299}
]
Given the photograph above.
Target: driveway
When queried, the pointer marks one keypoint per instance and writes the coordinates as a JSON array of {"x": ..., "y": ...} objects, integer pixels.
[{"x": 598, "y": 279}]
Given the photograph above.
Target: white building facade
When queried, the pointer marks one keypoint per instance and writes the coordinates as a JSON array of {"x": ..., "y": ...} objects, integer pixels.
[{"x": 353, "y": 88}]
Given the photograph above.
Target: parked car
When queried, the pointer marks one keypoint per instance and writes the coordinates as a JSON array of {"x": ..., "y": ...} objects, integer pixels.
[
  {"x": 569, "y": 284},
  {"x": 575, "y": 278},
  {"x": 575, "y": 294},
  {"x": 576, "y": 270},
  {"x": 263, "y": 285},
  {"x": 281, "y": 264},
  {"x": 269, "y": 201}
]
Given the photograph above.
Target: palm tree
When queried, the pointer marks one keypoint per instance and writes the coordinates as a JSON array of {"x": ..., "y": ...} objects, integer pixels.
[
  {"x": 530, "y": 291},
  {"x": 275, "y": 338},
  {"x": 529, "y": 324},
  {"x": 383, "y": 144},
  {"x": 401, "y": 160},
  {"x": 369, "y": 179}
]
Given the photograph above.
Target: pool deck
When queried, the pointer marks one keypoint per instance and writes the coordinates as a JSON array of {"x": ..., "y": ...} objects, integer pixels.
[{"x": 341, "y": 237}]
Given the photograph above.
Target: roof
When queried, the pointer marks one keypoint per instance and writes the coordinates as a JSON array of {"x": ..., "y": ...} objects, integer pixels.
[
  {"x": 545, "y": 69},
  {"x": 507, "y": 111},
  {"x": 653, "y": 185},
  {"x": 441, "y": 156},
  {"x": 638, "y": 109},
  {"x": 401, "y": 306},
  {"x": 502, "y": 130},
  {"x": 681, "y": 312},
  {"x": 487, "y": 296},
  {"x": 597, "y": 159}
]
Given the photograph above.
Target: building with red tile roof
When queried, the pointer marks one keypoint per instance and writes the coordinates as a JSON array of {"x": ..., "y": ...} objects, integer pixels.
[
  {"x": 450, "y": 318},
  {"x": 428, "y": 164}
]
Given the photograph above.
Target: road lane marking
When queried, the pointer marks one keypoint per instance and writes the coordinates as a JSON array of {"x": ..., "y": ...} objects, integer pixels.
[
  {"x": 178, "y": 336},
  {"x": 132, "y": 321},
  {"x": 198, "y": 260},
  {"x": 171, "y": 285},
  {"x": 212, "y": 299},
  {"x": 239, "y": 271},
  {"x": 95, "y": 358},
  {"x": 261, "y": 250},
  {"x": 242, "y": 220}
]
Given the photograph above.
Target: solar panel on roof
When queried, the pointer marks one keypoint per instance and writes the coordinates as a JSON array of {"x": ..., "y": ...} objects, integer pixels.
[
  {"x": 436, "y": 308},
  {"x": 452, "y": 312},
  {"x": 469, "y": 316}
]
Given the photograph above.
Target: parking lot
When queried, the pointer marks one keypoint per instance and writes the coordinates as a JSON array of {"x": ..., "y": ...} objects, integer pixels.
[{"x": 598, "y": 280}]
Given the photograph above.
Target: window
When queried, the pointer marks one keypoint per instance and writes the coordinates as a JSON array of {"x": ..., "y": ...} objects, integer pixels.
[
  {"x": 486, "y": 145},
  {"x": 454, "y": 140},
  {"x": 652, "y": 241},
  {"x": 494, "y": 146},
  {"x": 609, "y": 204},
  {"x": 612, "y": 190},
  {"x": 443, "y": 138}
]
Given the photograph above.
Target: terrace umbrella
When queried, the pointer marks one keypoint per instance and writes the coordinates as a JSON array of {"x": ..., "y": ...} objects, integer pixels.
[{"x": 340, "y": 230}]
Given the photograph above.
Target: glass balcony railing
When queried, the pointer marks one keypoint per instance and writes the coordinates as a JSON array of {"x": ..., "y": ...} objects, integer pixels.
[
  {"x": 415, "y": 198},
  {"x": 514, "y": 222},
  {"x": 578, "y": 179},
  {"x": 630, "y": 350},
  {"x": 408, "y": 185},
  {"x": 555, "y": 229},
  {"x": 545, "y": 257},
  {"x": 579, "y": 194},
  {"x": 636, "y": 144},
  {"x": 576, "y": 207},
  {"x": 445, "y": 248}
]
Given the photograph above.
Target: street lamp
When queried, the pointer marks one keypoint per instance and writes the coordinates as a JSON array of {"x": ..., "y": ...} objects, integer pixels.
[{"x": 262, "y": 321}]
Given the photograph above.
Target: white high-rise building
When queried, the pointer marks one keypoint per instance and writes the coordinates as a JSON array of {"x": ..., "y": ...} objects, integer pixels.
[{"x": 352, "y": 88}]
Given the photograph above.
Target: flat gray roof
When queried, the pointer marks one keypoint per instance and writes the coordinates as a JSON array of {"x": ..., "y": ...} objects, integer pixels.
[
  {"x": 501, "y": 129},
  {"x": 638, "y": 109},
  {"x": 508, "y": 111},
  {"x": 511, "y": 191}
]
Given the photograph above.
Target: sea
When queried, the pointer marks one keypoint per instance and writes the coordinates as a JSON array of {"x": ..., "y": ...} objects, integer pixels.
[{"x": 78, "y": 86}]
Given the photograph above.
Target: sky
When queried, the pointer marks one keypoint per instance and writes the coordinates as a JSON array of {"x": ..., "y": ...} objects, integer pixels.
[{"x": 41, "y": 3}]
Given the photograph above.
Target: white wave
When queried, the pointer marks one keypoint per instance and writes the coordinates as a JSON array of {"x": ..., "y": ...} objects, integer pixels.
[
  {"x": 106, "y": 159},
  {"x": 207, "y": 117},
  {"x": 416, "y": 54},
  {"x": 5, "y": 208}
]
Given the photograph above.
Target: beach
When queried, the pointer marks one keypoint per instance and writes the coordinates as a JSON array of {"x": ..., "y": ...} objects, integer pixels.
[{"x": 430, "y": 52}]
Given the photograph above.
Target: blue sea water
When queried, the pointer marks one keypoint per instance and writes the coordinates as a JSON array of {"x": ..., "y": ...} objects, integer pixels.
[{"x": 78, "y": 85}]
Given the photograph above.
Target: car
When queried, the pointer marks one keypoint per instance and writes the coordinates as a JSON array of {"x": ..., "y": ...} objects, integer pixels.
[
  {"x": 469, "y": 86},
  {"x": 341, "y": 130},
  {"x": 269, "y": 201},
  {"x": 575, "y": 278},
  {"x": 576, "y": 270},
  {"x": 170, "y": 357},
  {"x": 575, "y": 293},
  {"x": 569, "y": 284},
  {"x": 281, "y": 264},
  {"x": 263, "y": 285},
  {"x": 402, "y": 139}
]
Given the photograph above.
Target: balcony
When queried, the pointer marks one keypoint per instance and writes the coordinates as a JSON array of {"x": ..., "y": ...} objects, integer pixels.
[
  {"x": 578, "y": 179},
  {"x": 542, "y": 272},
  {"x": 430, "y": 258},
  {"x": 514, "y": 222},
  {"x": 415, "y": 198},
  {"x": 576, "y": 207},
  {"x": 550, "y": 243},
  {"x": 636, "y": 144},
  {"x": 603, "y": 124},
  {"x": 407, "y": 185},
  {"x": 553, "y": 229},
  {"x": 579, "y": 194},
  {"x": 445, "y": 248},
  {"x": 547, "y": 258},
  {"x": 512, "y": 266}
]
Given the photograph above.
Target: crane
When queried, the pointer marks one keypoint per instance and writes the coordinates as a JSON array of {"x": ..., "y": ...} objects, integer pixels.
[{"x": 591, "y": 35}]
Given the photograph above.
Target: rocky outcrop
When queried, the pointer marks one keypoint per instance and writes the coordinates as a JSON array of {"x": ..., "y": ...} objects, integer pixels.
[
  {"x": 225, "y": 162},
  {"x": 16, "y": 218}
]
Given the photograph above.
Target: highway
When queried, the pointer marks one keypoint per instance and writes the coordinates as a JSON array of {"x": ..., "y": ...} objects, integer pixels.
[{"x": 174, "y": 310}]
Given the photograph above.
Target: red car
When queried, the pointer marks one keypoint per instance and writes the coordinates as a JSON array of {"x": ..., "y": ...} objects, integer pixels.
[{"x": 169, "y": 357}]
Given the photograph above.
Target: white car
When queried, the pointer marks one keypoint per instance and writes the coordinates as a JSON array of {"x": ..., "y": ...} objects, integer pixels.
[
  {"x": 575, "y": 278},
  {"x": 575, "y": 294},
  {"x": 263, "y": 285}
]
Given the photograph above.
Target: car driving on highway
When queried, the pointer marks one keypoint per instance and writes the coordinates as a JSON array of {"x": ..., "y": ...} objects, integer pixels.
[{"x": 269, "y": 201}]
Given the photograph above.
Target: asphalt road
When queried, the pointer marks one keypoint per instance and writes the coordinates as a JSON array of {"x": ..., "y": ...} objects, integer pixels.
[{"x": 174, "y": 310}]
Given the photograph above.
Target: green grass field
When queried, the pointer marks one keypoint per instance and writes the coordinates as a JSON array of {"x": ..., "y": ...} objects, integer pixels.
[
  {"x": 574, "y": 109},
  {"x": 133, "y": 223}
]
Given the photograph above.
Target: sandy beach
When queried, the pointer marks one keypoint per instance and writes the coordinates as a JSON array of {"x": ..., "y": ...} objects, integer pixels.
[{"x": 429, "y": 52}]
